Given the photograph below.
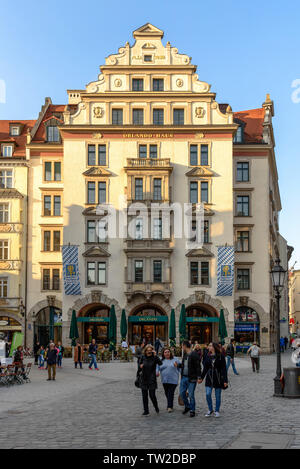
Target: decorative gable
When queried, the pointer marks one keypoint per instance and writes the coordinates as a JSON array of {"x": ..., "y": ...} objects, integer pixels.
[
  {"x": 96, "y": 251},
  {"x": 200, "y": 172},
  {"x": 97, "y": 172},
  {"x": 200, "y": 252},
  {"x": 148, "y": 30}
]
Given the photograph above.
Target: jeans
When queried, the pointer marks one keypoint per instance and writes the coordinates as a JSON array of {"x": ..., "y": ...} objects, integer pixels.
[
  {"x": 59, "y": 360},
  {"x": 80, "y": 364},
  {"x": 93, "y": 362},
  {"x": 146, "y": 401},
  {"x": 169, "y": 392},
  {"x": 218, "y": 392},
  {"x": 41, "y": 361},
  {"x": 186, "y": 386},
  {"x": 230, "y": 361}
]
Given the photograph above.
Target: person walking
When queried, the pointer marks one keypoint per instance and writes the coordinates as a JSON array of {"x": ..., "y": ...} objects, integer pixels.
[
  {"x": 41, "y": 355},
  {"x": 93, "y": 347},
  {"x": 139, "y": 352},
  {"x": 254, "y": 352},
  {"x": 286, "y": 341},
  {"x": 282, "y": 344},
  {"x": 36, "y": 349},
  {"x": 197, "y": 348},
  {"x": 215, "y": 372},
  {"x": 147, "y": 374},
  {"x": 60, "y": 354},
  {"x": 230, "y": 351},
  {"x": 78, "y": 355},
  {"x": 169, "y": 374},
  {"x": 51, "y": 362},
  {"x": 190, "y": 374},
  {"x": 18, "y": 360},
  {"x": 157, "y": 345}
]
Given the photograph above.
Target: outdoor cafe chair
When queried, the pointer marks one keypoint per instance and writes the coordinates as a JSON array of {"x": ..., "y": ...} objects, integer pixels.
[{"x": 27, "y": 372}]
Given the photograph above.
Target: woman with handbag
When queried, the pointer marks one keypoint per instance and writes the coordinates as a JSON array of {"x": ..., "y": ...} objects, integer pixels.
[
  {"x": 216, "y": 377},
  {"x": 169, "y": 374},
  {"x": 146, "y": 378}
]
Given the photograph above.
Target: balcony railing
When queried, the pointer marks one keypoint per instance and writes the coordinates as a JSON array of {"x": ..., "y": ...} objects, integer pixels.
[{"x": 148, "y": 162}]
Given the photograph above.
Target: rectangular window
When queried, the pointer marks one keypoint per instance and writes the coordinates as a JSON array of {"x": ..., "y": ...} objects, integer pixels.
[
  {"x": 47, "y": 240},
  {"x": 143, "y": 151},
  {"x": 204, "y": 192},
  {"x": 101, "y": 273},
  {"x": 194, "y": 192},
  {"x": 4, "y": 213},
  {"x": 56, "y": 241},
  {"x": 91, "y": 231},
  {"x": 178, "y": 116},
  {"x": 138, "y": 271},
  {"x": 242, "y": 172},
  {"x": 101, "y": 231},
  {"x": 242, "y": 241},
  {"x": 193, "y": 155},
  {"x": 57, "y": 206},
  {"x": 47, "y": 205},
  {"x": 204, "y": 273},
  {"x": 139, "y": 228},
  {"x": 6, "y": 179},
  {"x": 14, "y": 131},
  {"x": 157, "y": 228},
  {"x": 117, "y": 117},
  {"x": 52, "y": 133},
  {"x": 242, "y": 205},
  {"x": 194, "y": 273},
  {"x": 153, "y": 151},
  {"x": 3, "y": 250},
  {"x": 204, "y": 155},
  {"x": 243, "y": 279},
  {"x": 7, "y": 150},
  {"x": 158, "y": 84},
  {"x": 102, "y": 192},
  {"x": 91, "y": 273},
  {"x": 102, "y": 155},
  {"x": 137, "y": 84},
  {"x": 138, "y": 189},
  {"x": 157, "y": 271},
  {"x": 57, "y": 171},
  {"x": 46, "y": 279},
  {"x": 91, "y": 192},
  {"x": 91, "y": 155},
  {"x": 138, "y": 116},
  {"x": 55, "y": 279},
  {"x": 147, "y": 58},
  {"x": 3, "y": 288},
  {"x": 157, "y": 189},
  {"x": 158, "y": 117}
]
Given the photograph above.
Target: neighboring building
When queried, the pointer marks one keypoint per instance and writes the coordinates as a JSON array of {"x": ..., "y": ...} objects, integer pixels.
[
  {"x": 294, "y": 301},
  {"x": 13, "y": 224},
  {"x": 285, "y": 253},
  {"x": 150, "y": 131}
]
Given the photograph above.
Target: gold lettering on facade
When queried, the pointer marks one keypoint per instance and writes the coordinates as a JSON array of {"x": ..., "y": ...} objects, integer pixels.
[{"x": 137, "y": 135}]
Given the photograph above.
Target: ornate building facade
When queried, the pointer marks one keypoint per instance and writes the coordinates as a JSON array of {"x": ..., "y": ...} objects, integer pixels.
[{"x": 148, "y": 130}]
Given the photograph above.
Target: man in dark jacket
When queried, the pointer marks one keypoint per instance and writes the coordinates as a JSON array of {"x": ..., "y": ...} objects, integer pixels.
[
  {"x": 36, "y": 349},
  {"x": 51, "y": 361},
  {"x": 230, "y": 357},
  {"x": 190, "y": 375},
  {"x": 93, "y": 347}
]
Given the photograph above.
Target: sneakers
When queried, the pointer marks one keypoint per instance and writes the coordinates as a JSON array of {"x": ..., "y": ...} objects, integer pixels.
[
  {"x": 146, "y": 414},
  {"x": 186, "y": 410},
  {"x": 192, "y": 414},
  {"x": 209, "y": 413},
  {"x": 170, "y": 410},
  {"x": 217, "y": 415}
]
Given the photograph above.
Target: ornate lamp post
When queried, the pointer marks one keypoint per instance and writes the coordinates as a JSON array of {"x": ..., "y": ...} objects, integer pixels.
[
  {"x": 278, "y": 278},
  {"x": 22, "y": 308}
]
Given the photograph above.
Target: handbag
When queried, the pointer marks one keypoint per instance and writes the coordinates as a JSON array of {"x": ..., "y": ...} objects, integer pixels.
[
  {"x": 138, "y": 379},
  {"x": 180, "y": 400}
]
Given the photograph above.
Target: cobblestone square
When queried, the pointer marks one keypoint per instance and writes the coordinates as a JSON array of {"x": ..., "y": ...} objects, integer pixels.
[{"x": 89, "y": 409}]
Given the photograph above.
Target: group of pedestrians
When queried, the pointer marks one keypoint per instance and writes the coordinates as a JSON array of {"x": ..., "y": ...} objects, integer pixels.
[
  {"x": 192, "y": 369},
  {"x": 49, "y": 358}
]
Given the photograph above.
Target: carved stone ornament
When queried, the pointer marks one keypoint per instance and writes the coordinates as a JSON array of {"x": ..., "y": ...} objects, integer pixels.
[
  {"x": 118, "y": 82},
  {"x": 97, "y": 136},
  {"x": 199, "y": 111},
  {"x": 96, "y": 296},
  {"x": 199, "y": 135},
  {"x": 200, "y": 296},
  {"x": 179, "y": 82},
  {"x": 244, "y": 300},
  {"x": 98, "y": 112}
]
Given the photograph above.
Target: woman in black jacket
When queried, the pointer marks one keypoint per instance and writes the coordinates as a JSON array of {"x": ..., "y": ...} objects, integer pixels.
[
  {"x": 216, "y": 377},
  {"x": 147, "y": 373}
]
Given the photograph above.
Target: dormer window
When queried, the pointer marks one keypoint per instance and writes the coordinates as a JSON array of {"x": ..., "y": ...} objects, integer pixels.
[
  {"x": 7, "y": 151},
  {"x": 15, "y": 131},
  {"x": 52, "y": 133},
  {"x": 239, "y": 136}
]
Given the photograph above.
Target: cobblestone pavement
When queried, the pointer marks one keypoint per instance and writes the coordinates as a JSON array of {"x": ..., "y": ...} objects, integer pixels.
[{"x": 90, "y": 409}]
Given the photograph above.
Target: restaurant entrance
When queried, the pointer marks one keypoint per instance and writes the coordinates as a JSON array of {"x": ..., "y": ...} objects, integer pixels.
[
  {"x": 93, "y": 323},
  {"x": 202, "y": 324},
  {"x": 147, "y": 323}
]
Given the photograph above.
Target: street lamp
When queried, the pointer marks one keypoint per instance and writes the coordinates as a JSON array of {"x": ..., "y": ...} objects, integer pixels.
[
  {"x": 278, "y": 278},
  {"x": 23, "y": 314}
]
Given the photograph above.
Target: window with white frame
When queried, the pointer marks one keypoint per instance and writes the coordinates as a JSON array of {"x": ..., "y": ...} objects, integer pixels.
[
  {"x": 4, "y": 213},
  {"x": 15, "y": 131},
  {"x": 3, "y": 287},
  {"x": 6, "y": 179},
  {"x": 96, "y": 273},
  {"x": 157, "y": 228},
  {"x": 7, "y": 150},
  {"x": 139, "y": 228},
  {"x": 3, "y": 249},
  {"x": 199, "y": 273}
]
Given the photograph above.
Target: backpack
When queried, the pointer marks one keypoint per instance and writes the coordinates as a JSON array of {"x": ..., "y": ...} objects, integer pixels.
[{"x": 255, "y": 352}]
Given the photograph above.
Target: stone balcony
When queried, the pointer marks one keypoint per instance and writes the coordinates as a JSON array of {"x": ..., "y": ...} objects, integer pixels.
[
  {"x": 148, "y": 290},
  {"x": 149, "y": 163}
]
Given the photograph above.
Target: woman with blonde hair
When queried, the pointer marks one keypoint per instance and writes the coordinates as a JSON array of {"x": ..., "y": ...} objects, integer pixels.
[{"x": 147, "y": 377}]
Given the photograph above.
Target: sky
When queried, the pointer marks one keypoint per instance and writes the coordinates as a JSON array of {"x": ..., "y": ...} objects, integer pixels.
[{"x": 243, "y": 49}]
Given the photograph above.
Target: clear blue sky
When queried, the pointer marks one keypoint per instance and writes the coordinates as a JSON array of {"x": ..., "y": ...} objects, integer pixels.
[{"x": 244, "y": 49}]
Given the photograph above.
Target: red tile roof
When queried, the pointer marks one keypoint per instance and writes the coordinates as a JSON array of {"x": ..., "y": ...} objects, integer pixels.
[
  {"x": 253, "y": 119},
  {"x": 20, "y": 140}
]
